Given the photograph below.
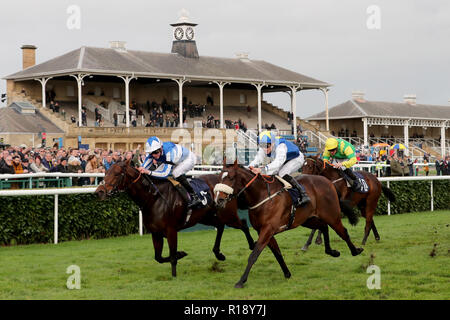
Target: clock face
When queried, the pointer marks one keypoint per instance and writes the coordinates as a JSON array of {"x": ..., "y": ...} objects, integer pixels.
[
  {"x": 189, "y": 33},
  {"x": 178, "y": 33}
]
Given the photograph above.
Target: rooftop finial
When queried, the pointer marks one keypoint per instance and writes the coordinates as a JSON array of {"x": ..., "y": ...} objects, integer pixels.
[{"x": 183, "y": 16}]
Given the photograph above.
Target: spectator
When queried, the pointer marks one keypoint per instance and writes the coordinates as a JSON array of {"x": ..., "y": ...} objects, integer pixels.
[
  {"x": 410, "y": 166},
  {"x": 48, "y": 161},
  {"x": 438, "y": 164},
  {"x": 37, "y": 165},
  {"x": 397, "y": 167},
  {"x": 17, "y": 165},
  {"x": 61, "y": 167},
  {"x": 93, "y": 167},
  {"x": 116, "y": 119},
  {"x": 73, "y": 119},
  {"x": 7, "y": 166},
  {"x": 426, "y": 168},
  {"x": 108, "y": 162}
]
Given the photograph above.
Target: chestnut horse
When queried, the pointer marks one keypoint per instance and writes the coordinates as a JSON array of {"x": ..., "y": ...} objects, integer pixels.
[
  {"x": 164, "y": 211},
  {"x": 272, "y": 214},
  {"x": 366, "y": 202}
]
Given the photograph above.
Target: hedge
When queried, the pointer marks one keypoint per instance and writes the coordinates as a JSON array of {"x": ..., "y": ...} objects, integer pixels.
[
  {"x": 414, "y": 196},
  {"x": 25, "y": 220}
]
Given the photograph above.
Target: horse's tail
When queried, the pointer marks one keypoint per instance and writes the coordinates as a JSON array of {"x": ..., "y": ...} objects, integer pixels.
[
  {"x": 348, "y": 211},
  {"x": 388, "y": 193}
]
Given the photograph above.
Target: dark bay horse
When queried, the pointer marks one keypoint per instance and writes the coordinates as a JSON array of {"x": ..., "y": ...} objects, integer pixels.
[
  {"x": 165, "y": 213},
  {"x": 366, "y": 202},
  {"x": 272, "y": 214}
]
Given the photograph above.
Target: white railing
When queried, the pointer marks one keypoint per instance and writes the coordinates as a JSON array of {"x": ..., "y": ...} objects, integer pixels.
[
  {"x": 57, "y": 192},
  {"x": 429, "y": 178}
]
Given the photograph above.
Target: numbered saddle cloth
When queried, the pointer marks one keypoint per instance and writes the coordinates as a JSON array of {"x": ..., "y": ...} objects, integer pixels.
[
  {"x": 363, "y": 186},
  {"x": 201, "y": 188}
]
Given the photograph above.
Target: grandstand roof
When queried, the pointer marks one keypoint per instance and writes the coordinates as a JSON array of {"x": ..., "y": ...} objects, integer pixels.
[
  {"x": 109, "y": 61},
  {"x": 12, "y": 120},
  {"x": 361, "y": 109}
]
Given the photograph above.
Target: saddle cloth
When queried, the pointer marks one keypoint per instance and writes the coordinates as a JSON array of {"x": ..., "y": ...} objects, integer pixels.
[
  {"x": 363, "y": 186},
  {"x": 295, "y": 194},
  {"x": 201, "y": 188}
]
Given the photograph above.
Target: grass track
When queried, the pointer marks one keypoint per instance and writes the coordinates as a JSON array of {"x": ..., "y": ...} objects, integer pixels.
[{"x": 124, "y": 268}]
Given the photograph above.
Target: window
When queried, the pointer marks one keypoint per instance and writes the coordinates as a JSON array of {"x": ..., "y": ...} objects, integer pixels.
[
  {"x": 70, "y": 92},
  {"x": 175, "y": 95},
  {"x": 116, "y": 93},
  {"x": 242, "y": 98}
]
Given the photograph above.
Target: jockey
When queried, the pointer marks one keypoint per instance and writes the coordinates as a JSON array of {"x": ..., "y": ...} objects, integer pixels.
[
  {"x": 170, "y": 158},
  {"x": 343, "y": 153},
  {"x": 285, "y": 157}
]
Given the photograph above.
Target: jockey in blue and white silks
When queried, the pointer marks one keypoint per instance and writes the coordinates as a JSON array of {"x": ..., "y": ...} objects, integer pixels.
[
  {"x": 284, "y": 158},
  {"x": 170, "y": 159}
]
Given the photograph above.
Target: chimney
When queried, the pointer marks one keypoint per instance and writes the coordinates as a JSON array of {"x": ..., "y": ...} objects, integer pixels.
[
  {"x": 410, "y": 99},
  {"x": 28, "y": 56},
  {"x": 118, "y": 45},
  {"x": 243, "y": 56},
  {"x": 358, "y": 96}
]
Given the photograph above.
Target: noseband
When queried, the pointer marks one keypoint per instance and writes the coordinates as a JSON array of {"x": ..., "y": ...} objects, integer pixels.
[{"x": 115, "y": 188}]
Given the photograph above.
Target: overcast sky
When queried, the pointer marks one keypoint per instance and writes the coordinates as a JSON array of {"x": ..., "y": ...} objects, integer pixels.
[{"x": 325, "y": 39}]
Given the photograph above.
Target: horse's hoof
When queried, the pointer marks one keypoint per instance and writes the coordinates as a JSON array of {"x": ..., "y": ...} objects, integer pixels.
[
  {"x": 239, "y": 285},
  {"x": 305, "y": 248},
  {"x": 357, "y": 251},
  {"x": 220, "y": 256},
  {"x": 287, "y": 275},
  {"x": 318, "y": 242},
  {"x": 334, "y": 253},
  {"x": 181, "y": 255},
  {"x": 377, "y": 239}
]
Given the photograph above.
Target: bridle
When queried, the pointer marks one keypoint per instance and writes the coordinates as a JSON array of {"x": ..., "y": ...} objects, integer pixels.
[
  {"x": 229, "y": 191},
  {"x": 118, "y": 187},
  {"x": 321, "y": 170}
]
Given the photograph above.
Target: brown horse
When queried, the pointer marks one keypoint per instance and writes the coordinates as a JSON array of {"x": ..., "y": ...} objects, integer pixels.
[
  {"x": 271, "y": 214},
  {"x": 366, "y": 202},
  {"x": 164, "y": 211}
]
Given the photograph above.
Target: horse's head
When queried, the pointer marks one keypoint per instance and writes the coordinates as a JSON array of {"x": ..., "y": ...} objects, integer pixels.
[
  {"x": 115, "y": 180},
  {"x": 313, "y": 165},
  {"x": 225, "y": 190}
]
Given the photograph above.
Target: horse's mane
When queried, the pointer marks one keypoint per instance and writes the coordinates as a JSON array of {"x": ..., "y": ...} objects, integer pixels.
[{"x": 123, "y": 164}]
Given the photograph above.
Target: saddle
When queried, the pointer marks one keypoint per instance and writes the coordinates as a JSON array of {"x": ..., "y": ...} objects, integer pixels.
[{"x": 200, "y": 188}]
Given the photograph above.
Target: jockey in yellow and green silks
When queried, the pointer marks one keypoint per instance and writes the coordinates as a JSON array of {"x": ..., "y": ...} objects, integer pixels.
[{"x": 344, "y": 155}]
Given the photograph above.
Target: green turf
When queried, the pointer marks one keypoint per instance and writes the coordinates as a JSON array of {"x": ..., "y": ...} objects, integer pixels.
[{"x": 124, "y": 268}]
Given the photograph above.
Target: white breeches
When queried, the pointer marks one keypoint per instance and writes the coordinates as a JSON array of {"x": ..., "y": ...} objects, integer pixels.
[
  {"x": 292, "y": 166},
  {"x": 184, "y": 166}
]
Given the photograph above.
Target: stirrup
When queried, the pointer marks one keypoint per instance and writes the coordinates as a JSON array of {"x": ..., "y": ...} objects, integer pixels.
[
  {"x": 195, "y": 200},
  {"x": 304, "y": 200}
]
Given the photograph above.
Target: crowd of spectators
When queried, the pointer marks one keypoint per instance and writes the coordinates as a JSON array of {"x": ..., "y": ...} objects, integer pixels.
[{"x": 20, "y": 160}]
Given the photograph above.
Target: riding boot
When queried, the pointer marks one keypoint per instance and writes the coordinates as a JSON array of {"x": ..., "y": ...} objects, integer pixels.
[
  {"x": 303, "y": 196},
  {"x": 354, "y": 180},
  {"x": 195, "y": 200}
]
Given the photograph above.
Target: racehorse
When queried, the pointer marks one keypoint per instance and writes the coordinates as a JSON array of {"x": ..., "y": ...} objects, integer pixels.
[
  {"x": 270, "y": 210},
  {"x": 366, "y": 202},
  {"x": 165, "y": 213}
]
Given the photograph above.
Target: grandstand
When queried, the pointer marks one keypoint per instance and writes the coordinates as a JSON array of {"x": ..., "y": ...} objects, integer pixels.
[{"x": 123, "y": 83}]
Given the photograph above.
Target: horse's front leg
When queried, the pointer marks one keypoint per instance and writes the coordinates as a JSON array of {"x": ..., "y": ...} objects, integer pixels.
[
  {"x": 220, "y": 227},
  {"x": 264, "y": 237},
  {"x": 174, "y": 255}
]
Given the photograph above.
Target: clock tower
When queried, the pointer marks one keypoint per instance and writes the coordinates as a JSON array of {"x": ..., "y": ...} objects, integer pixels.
[{"x": 183, "y": 33}]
